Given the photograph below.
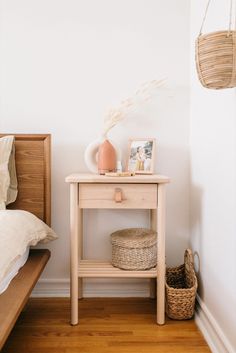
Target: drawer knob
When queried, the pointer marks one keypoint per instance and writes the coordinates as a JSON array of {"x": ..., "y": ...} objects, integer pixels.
[{"x": 118, "y": 195}]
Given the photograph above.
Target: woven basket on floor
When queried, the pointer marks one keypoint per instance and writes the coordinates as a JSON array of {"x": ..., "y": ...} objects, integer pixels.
[
  {"x": 216, "y": 57},
  {"x": 181, "y": 289},
  {"x": 134, "y": 249}
]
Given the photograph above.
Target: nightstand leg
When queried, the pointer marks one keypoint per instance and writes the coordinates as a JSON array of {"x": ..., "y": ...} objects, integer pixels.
[
  {"x": 80, "y": 249},
  {"x": 153, "y": 281},
  {"x": 161, "y": 211},
  {"x": 74, "y": 252}
]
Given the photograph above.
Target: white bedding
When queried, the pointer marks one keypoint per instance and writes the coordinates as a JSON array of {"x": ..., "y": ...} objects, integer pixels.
[
  {"x": 19, "y": 230},
  {"x": 4, "y": 283}
]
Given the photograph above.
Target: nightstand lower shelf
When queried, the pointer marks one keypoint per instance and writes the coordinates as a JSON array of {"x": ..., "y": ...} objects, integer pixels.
[{"x": 91, "y": 268}]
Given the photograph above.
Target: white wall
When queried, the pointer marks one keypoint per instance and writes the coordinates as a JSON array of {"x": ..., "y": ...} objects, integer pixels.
[
  {"x": 62, "y": 62},
  {"x": 213, "y": 192}
]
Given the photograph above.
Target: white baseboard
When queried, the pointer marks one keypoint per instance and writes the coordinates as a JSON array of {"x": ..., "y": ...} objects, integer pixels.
[
  {"x": 211, "y": 330},
  {"x": 93, "y": 288}
]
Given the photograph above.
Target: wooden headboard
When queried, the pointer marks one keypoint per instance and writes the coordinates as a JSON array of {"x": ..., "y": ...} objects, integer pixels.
[{"x": 33, "y": 167}]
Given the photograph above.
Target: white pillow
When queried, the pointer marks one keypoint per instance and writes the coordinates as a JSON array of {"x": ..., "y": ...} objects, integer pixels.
[{"x": 18, "y": 230}]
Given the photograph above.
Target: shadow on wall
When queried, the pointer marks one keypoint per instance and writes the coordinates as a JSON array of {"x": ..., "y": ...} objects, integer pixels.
[
  {"x": 196, "y": 232},
  {"x": 206, "y": 262},
  {"x": 173, "y": 161}
]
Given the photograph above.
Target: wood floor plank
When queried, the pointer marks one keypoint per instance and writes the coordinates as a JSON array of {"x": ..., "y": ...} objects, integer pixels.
[{"x": 110, "y": 325}]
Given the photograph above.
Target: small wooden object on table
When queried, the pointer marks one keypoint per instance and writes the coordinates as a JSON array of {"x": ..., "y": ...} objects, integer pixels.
[{"x": 97, "y": 191}]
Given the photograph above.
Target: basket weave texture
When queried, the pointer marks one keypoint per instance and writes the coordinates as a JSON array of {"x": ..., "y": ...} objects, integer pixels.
[
  {"x": 216, "y": 59},
  {"x": 181, "y": 289},
  {"x": 134, "y": 249}
]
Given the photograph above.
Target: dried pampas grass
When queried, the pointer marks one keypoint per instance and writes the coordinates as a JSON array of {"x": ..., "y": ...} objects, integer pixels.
[{"x": 127, "y": 106}]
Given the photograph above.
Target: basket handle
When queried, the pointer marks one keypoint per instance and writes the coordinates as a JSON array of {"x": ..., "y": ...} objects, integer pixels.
[
  {"x": 188, "y": 259},
  {"x": 230, "y": 17}
]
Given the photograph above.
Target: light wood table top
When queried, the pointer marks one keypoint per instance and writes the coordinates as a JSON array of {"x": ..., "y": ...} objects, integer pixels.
[{"x": 96, "y": 178}]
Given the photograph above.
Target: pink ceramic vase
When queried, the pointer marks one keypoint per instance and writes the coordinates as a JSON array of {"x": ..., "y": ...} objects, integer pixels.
[{"x": 106, "y": 158}]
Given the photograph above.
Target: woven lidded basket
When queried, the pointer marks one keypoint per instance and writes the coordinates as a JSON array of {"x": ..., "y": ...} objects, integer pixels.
[
  {"x": 216, "y": 57},
  {"x": 134, "y": 249},
  {"x": 181, "y": 289}
]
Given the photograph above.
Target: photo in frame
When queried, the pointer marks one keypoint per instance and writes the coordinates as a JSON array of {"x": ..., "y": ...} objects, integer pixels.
[{"x": 141, "y": 155}]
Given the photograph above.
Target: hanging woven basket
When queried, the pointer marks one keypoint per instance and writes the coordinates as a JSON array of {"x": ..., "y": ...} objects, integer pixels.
[{"x": 216, "y": 57}]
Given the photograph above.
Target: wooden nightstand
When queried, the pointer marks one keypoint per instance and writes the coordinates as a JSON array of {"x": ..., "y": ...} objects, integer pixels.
[{"x": 137, "y": 192}]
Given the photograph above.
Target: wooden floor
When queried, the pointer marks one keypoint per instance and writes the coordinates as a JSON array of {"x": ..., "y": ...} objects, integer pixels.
[{"x": 106, "y": 326}]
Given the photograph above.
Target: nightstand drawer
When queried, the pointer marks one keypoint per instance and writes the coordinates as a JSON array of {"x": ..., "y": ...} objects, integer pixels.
[{"x": 139, "y": 196}]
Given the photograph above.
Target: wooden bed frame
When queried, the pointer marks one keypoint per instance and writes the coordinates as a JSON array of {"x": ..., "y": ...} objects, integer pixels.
[{"x": 33, "y": 166}]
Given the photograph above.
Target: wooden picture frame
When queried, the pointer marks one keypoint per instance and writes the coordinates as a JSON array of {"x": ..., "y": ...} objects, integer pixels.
[{"x": 141, "y": 155}]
